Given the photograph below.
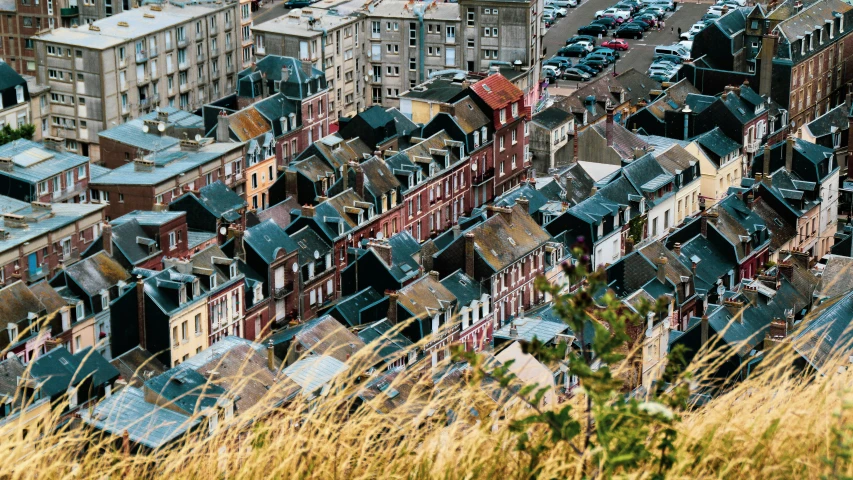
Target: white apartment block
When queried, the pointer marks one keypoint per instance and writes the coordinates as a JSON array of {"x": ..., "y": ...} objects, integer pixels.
[{"x": 123, "y": 66}]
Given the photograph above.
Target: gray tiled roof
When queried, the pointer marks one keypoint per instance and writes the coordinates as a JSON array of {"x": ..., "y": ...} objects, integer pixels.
[
  {"x": 149, "y": 218},
  {"x": 63, "y": 214},
  {"x": 145, "y": 423},
  {"x": 221, "y": 201},
  {"x": 9, "y": 204},
  {"x": 530, "y": 328},
  {"x": 32, "y": 162},
  {"x": 314, "y": 371},
  {"x": 97, "y": 273},
  {"x": 266, "y": 238},
  {"x": 186, "y": 389},
  {"x": 125, "y": 237},
  {"x": 168, "y": 164}
]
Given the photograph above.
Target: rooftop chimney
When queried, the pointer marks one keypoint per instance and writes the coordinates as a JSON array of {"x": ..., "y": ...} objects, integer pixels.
[
  {"x": 270, "y": 357},
  {"x": 766, "y": 170},
  {"x": 107, "y": 238},
  {"x": 677, "y": 248},
  {"x": 392, "y": 307},
  {"x": 223, "y": 127},
  {"x": 308, "y": 211},
  {"x": 789, "y": 153},
  {"x": 359, "y": 181},
  {"x": 608, "y": 127},
  {"x": 140, "y": 310},
  {"x": 383, "y": 250},
  {"x": 703, "y": 338},
  {"x": 661, "y": 263},
  {"x": 469, "y": 255},
  {"x": 523, "y": 202}
]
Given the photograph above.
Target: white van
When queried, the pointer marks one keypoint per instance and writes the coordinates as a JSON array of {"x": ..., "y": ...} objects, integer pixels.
[{"x": 677, "y": 50}]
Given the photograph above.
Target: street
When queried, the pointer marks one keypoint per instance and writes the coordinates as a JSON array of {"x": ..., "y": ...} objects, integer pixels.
[
  {"x": 269, "y": 11},
  {"x": 640, "y": 54}
]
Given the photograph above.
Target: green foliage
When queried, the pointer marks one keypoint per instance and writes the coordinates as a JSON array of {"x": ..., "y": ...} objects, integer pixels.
[
  {"x": 840, "y": 457},
  {"x": 9, "y": 134},
  {"x": 636, "y": 226},
  {"x": 608, "y": 431}
]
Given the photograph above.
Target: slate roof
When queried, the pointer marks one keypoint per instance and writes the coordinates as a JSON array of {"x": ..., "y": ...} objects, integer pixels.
[
  {"x": 673, "y": 99},
  {"x": 248, "y": 124},
  {"x": 349, "y": 307},
  {"x": 781, "y": 231},
  {"x": 826, "y": 334},
  {"x": 137, "y": 365},
  {"x": 97, "y": 273},
  {"x": 387, "y": 391},
  {"x": 309, "y": 242},
  {"x": 404, "y": 248},
  {"x": 637, "y": 85},
  {"x": 16, "y": 302},
  {"x": 735, "y": 221},
  {"x": 313, "y": 371},
  {"x": 469, "y": 116},
  {"x": 162, "y": 288},
  {"x": 500, "y": 243},
  {"x": 9, "y": 78},
  {"x": 582, "y": 183},
  {"x": 221, "y": 201},
  {"x": 605, "y": 88},
  {"x": 698, "y": 103},
  {"x": 805, "y": 21},
  {"x": 823, "y": 125},
  {"x": 387, "y": 343},
  {"x": 624, "y": 141},
  {"x": 146, "y": 424},
  {"x": 149, "y": 218},
  {"x": 463, "y": 287},
  {"x": 124, "y": 237},
  {"x": 378, "y": 177},
  {"x": 57, "y": 370},
  {"x": 836, "y": 278},
  {"x": 425, "y": 297},
  {"x": 32, "y": 162},
  {"x": 530, "y": 328},
  {"x": 717, "y": 144},
  {"x": 675, "y": 159},
  {"x": 168, "y": 164},
  {"x": 713, "y": 262},
  {"x": 267, "y": 238},
  {"x": 436, "y": 89},
  {"x": 497, "y": 91},
  {"x": 552, "y": 117},
  {"x": 11, "y": 369},
  {"x": 325, "y": 336},
  {"x": 186, "y": 389},
  {"x": 535, "y": 199}
]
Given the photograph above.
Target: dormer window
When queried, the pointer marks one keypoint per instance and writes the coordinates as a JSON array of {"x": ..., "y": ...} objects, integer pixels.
[
  {"x": 476, "y": 139},
  {"x": 340, "y": 228},
  {"x": 213, "y": 281},
  {"x": 328, "y": 261},
  {"x": 361, "y": 217},
  {"x": 484, "y": 134},
  {"x": 105, "y": 299},
  {"x": 310, "y": 270},
  {"x": 514, "y": 109},
  {"x": 81, "y": 311},
  {"x": 435, "y": 323},
  {"x": 257, "y": 295},
  {"x": 291, "y": 119},
  {"x": 503, "y": 116},
  {"x": 232, "y": 270},
  {"x": 196, "y": 288},
  {"x": 182, "y": 294},
  {"x": 13, "y": 332}
]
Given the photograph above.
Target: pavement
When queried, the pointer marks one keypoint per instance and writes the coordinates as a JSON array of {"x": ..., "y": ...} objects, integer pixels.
[
  {"x": 268, "y": 11},
  {"x": 641, "y": 51}
]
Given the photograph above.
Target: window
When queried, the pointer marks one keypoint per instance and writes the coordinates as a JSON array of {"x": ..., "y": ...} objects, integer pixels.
[
  {"x": 514, "y": 137},
  {"x": 184, "y": 331},
  {"x": 502, "y": 142},
  {"x": 172, "y": 240},
  {"x": 471, "y": 13},
  {"x": 503, "y": 115},
  {"x": 198, "y": 324}
]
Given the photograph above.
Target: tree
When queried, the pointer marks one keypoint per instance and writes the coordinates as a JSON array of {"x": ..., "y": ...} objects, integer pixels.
[
  {"x": 610, "y": 432},
  {"x": 9, "y": 134}
]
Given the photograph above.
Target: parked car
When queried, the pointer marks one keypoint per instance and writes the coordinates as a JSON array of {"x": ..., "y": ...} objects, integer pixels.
[
  {"x": 565, "y": 3},
  {"x": 586, "y": 69},
  {"x": 669, "y": 58},
  {"x": 656, "y": 11},
  {"x": 598, "y": 63},
  {"x": 710, "y": 17},
  {"x": 676, "y": 49},
  {"x": 549, "y": 15},
  {"x": 575, "y": 74},
  {"x": 666, "y": 65},
  {"x": 645, "y": 26},
  {"x": 611, "y": 54},
  {"x": 555, "y": 71},
  {"x": 648, "y": 18},
  {"x": 608, "y": 22},
  {"x": 619, "y": 14},
  {"x": 558, "y": 11},
  {"x": 631, "y": 7},
  {"x": 573, "y": 50},
  {"x": 665, "y": 4},
  {"x": 629, "y": 31},
  {"x": 616, "y": 44},
  {"x": 559, "y": 62},
  {"x": 686, "y": 36},
  {"x": 657, "y": 70},
  {"x": 598, "y": 57},
  {"x": 578, "y": 38},
  {"x": 659, "y": 77},
  {"x": 297, "y": 3},
  {"x": 593, "y": 29}
]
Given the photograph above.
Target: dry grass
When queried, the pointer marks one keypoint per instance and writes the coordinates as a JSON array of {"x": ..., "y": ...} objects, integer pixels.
[{"x": 774, "y": 425}]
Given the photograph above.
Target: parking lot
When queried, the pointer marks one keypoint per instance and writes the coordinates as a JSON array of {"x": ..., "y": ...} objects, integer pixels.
[{"x": 640, "y": 54}]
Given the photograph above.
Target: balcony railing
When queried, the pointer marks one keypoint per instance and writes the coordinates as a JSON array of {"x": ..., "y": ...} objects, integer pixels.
[
  {"x": 281, "y": 292},
  {"x": 141, "y": 57},
  {"x": 182, "y": 42},
  {"x": 229, "y": 46},
  {"x": 214, "y": 51},
  {"x": 751, "y": 147},
  {"x": 484, "y": 177},
  {"x": 229, "y": 68},
  {"x": 184, "y": 66},
  {"x": 69, "y": 12},
  {"x": 200, "y": 57}
]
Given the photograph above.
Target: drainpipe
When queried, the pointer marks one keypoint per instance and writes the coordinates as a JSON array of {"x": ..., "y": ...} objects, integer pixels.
[{"x": 419, "y": 11}]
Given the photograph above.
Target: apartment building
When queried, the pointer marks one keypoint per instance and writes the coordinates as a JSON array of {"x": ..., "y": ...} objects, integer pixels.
[
  {"x": 408, "y": 43},
  {"x": 329, "y": 39},
  {"x": 127, "y": 65}
]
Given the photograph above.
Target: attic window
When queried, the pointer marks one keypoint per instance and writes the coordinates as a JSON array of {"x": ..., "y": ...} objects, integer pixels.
[
  {"x": 512, "y": 241},
  {"x": 232, "y": 270},
  {"x": 81, "y": 311},
  {"x": 105, "y": 299}
]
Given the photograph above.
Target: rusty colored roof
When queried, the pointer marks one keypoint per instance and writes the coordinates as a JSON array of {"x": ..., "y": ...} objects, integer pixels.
[
  {"x": 49, "y": 297},
  {"x": 16, "y": 302},
  {"x": 248, "y": 124},
  {"x": 326, "y": 336},
  {"x": 378, "y": 178},
  {"x": 469, "y": 116},
  {"x": 497, "y": 91}
]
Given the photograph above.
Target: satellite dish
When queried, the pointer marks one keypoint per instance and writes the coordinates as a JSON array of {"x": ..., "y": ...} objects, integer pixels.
[
  {"x": 223, "y": 230},
  {"x": 474, "y": 167},
  {"x": 380, "y": 236},
  {"x": 145, "y": 128},
  {"x": 349, "y": 236},
  {"x": 197, "y": 137},
  {"x": 161, "y": 127},
  {"x": 295, "y": 268},
  {"x": 316, "y": 255}
]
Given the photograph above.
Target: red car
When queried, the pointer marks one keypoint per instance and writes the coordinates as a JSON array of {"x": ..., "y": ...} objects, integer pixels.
[{"x": 616, "y": 44}]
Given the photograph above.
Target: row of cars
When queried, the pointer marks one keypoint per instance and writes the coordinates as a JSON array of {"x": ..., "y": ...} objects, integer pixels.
[
  {"x": 667, "y": 62},
  {"x": 628, "y": 18},
  {"x": 555, "y": 9},
  {"x": 581, "y": 59}
]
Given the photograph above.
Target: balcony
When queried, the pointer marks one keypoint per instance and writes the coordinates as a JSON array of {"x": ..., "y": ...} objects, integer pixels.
[
  {"x": 281, "y": 292},
  {"x": 125, "y": 109},
  {"x": 214, "y": 74},
  {"x": 141, "y": 57},
  {"x": 184, "y": 66},
  {"x": 229, "y": 46},
  {"x": 155, "y": 99},
  {"x": 71, "y": 257},
  {"x": 200, "y": 57},
  {"x": 229, "y": 25},
  {"x": 229, "y": 68},
  {"x": 69, "y": 12},
  {"x": 751, "y": 147},
  {"x": 143, "y": 102},
  {"x": 184, "y": 88},
  {"x": 183, "y": 42},
  {"x": 214, "y": 51},
  {"x": 202, "y": 79},
  {"x": 483, "y": 177},
  {"x": 376, "y": 79}
]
